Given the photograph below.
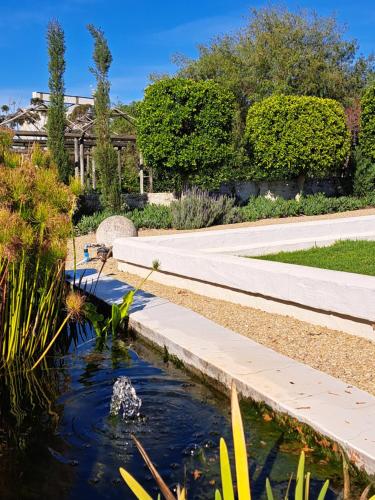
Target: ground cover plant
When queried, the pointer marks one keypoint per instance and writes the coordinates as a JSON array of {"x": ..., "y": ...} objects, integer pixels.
[{"x": 350, "y": 256}]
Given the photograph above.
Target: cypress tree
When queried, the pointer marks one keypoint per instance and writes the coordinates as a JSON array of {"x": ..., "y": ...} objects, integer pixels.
[
  {"x": 56, "y": 121},
  {"x": 104, "y": 154}
]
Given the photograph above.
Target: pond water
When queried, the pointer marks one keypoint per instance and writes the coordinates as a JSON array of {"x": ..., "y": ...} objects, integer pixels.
[{"x": 60, "y": 442}]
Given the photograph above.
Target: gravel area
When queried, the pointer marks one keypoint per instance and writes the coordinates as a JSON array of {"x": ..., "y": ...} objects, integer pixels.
[{"x": 350, "y": 358}]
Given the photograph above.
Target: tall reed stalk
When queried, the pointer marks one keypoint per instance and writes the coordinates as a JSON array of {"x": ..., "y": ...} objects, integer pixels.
[{"x": 35, "y": 223}]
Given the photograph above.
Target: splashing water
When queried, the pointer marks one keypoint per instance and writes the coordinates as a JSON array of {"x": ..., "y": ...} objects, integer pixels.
[{"x": 124, "y": 399}]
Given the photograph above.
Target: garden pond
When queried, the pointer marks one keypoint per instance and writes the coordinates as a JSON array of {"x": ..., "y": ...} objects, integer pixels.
[{"x": 59, "y": 441}]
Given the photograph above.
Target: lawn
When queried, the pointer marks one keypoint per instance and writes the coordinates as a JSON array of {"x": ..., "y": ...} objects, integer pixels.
[{"x": 350, "y": 256}]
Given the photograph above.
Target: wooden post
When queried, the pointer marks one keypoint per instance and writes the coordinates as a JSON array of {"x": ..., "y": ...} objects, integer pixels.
[
  {"x": 150, "y": 181},
  {"x": 76, "y": 158},
  {"x": 88, "y": 163},
  {"x": 82, "y": 161},
  {"x": 119, "y": 164},
  {"x": 93, "y": 173},
  {"x": 141, "y": 176}
]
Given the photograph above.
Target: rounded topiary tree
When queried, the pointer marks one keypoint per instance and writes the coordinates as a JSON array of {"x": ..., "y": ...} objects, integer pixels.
[
  {"x": 367, "y": 127},
  {"x": 296, "y": 136},
  {"x": 185, "y": 130}
]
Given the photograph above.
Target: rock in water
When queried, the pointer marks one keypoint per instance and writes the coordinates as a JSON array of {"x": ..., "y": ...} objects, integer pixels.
[
  {"x": 124, "y": 399},
  {"x": 114, "y": 227}
]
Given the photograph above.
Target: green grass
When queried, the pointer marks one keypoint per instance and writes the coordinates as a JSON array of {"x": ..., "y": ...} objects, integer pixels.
[{"x": 350, "y": 256}]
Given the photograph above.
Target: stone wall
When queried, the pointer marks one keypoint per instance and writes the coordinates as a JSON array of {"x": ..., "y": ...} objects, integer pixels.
[
  {"x": 136, "y": 200},
  {"x": 241, "y": 190},
  {"x": 281, "y": 189}
]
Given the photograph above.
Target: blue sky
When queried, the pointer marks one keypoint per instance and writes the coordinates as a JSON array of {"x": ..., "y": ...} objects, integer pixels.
[{"x": 143, "y": 35}]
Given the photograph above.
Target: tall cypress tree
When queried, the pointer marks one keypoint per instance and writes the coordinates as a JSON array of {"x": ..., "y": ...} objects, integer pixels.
[
  {"x": 104, "y": 154},
  {"x": 56, "y": 121}
]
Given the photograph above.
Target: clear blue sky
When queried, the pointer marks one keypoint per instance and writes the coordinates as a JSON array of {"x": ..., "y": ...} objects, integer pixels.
[{"x": 142, "y": 34}]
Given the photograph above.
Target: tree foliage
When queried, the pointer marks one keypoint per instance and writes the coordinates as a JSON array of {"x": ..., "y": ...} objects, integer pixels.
[
  {"x": 56, "y": 121},
  {"x": 292, "y": 136},
  {"x": 279, "y": 51},
  {"x": 104, "y": 154},
  {"x": 126, "y": 124},
  {"x": 185, "y": 130},
  {"x": 367, "y": 129}
]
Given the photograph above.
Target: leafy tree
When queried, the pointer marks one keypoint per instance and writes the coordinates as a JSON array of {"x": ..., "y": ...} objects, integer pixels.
[
  {"x": 185, "y": 131},
  {"x": 126, "y": 124},
  {"x": 367, "y": 127},
  {"x": 364, "y": 174},
  {"x": 279, "y": 51},
  {"x": 104, "y": 154},
  {"x": 297, "y": 136},
  {"x": 56, "y": 121},
  {"x": 130, "y": 155}
]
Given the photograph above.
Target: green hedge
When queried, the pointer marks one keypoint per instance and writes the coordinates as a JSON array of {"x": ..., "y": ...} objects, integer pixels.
[
  {"x": 367, "y": 130},
  {"x": 184, "y": 130},
  {"x": 289, "y": 136}
]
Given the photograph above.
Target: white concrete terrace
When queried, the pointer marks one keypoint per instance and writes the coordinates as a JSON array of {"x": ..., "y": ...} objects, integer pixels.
[{"x": 209, "y": 263}]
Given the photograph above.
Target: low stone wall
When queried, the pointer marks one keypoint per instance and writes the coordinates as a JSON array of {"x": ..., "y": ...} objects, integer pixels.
[
  {"x": 281, "y": 189},
  {"x": 241, "y": 190},
  {"x": 137, "y": 200}
]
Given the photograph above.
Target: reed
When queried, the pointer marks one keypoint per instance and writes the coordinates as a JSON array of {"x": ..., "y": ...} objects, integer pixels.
[{"x": 35, "y": 222}]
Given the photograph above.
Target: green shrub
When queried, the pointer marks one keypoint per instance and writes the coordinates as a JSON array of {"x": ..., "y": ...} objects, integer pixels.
[
  {"x": 198, "y": 209},
  {"x": 364, "y": 175},
  {"x": 152, "y": 217},
  {"x": 291, "y": 136},
  {"x": 264, "y": 208},
  {"x": 185, "y": 130},
  {"x": 367, "y": 129},
  {"x": 89, "y": 223},
  {"x": 317, "y": 204}
]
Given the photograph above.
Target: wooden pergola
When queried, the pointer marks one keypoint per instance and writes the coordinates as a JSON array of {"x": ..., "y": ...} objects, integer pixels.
[{"x": 79, "y": 136}]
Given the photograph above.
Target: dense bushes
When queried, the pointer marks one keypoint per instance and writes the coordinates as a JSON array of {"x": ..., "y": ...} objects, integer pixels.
[
  {"x": 291, "y": 136},
  {"x": 263, "y": 208},
  {"x": 198, "y": 209},
  {"x": 185, "y": 130},
  {"x": 364, "y": 175},
  {"x": 35, "y": 223},
  {"x": 367, "y": 131},
  {"x": 152, "y": 216}
]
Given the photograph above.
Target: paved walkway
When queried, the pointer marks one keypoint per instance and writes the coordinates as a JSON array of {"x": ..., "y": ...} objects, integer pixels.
[{"x": 337, "y": 410}]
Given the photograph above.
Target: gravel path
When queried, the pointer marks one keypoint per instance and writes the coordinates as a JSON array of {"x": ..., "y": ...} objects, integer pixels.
[{"x": 350, "y": 358}]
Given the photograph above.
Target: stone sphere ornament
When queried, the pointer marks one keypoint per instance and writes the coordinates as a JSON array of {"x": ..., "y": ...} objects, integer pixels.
[{"x": 116, "y": 226}]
